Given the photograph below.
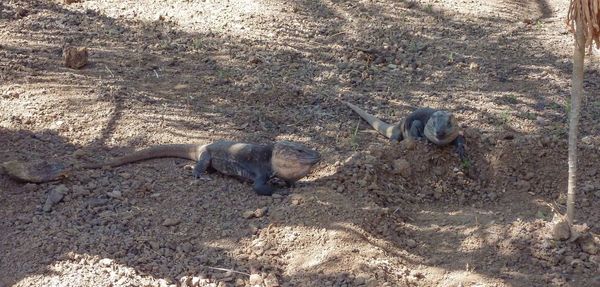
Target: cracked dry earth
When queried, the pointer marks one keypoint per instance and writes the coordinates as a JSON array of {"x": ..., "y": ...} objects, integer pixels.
[{"x": 372, "y": 213}]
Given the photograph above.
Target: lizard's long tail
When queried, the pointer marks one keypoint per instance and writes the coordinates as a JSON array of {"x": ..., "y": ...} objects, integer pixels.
[
  {"x": 390, "y": 131},
  {"x": 187, "y": 151}
]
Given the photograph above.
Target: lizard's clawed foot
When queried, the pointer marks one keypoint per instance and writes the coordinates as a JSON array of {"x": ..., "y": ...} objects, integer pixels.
[
  {"x": 460, "y": 150},
  {"x": 201, "y": 176},
  {"x": 283, "y": 192}
]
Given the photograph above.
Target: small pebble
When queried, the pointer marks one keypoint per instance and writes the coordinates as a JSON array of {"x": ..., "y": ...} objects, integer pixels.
[
  {"x": 255, "y": 279},
  {"x": 171, "y": 222},
  {"x": 411, "y": 243},
  {"x": 79, "y": 153},
  {"x": 30, "y": 187},
  {"x": 271, "y": 281},
  {"x": 105, "y": 262},
  {"x": 75, "y": 57},
  {"x": 185, "y": 281},
  {"x": 402, "y": 167},
  {"x": 54, "y": 196},
  {"x": 260, "y": 212},
  {"x": 587, "y": 244},
  {"x": 115, "y": 194},
  {"x": 248, "y": 214},
  {"x": 561, "y": 230},
  {"x": 21, "y": 12}
]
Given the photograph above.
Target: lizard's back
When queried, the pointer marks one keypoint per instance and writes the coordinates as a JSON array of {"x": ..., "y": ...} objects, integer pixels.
[
  {"x": 422, "y": 114},
  {"x": 240, "y": 159}
]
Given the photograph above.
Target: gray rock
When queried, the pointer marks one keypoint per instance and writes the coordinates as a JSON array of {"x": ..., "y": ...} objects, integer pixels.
[
  {"x": 523, "y": 185},
  {"x": 402, "y": 167},
  {"x": 271, "y": 281},
  {"x": 411, "y": 243},
  {"x": 185, "y": 281},
  {"x": 75, "y": 57},
  {"x": 154, "y": 244},
  {"x": 55, "y": 195},
  {"x": 260, "y": 212},
  {"x": 30, "y": 187},
  {"x": 80, "y": 190},
  {"x": 47, "y": 207},
  {"x": 186, "y": 247},
  {"x": 587, "y": 244},
  {"x": 171, "y": 222},
  {"x": 541, "y": 121},
  {"x": 95, "y": 202},
  {"x": 116, "y": 193},
  {"x": 561, "y": 230},
  {"x": 255, "y": 279},
  {"x": 195, "y": 282},
  {"x": 576, "y": 262},
  {"x": 248, "y": 214},
  {"x": 105, "y": 262},
  {"x": 79, "y": 153}
]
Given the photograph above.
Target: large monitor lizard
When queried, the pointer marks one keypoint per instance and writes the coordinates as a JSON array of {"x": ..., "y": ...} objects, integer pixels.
[
  {"x": 256, "y": 163},
  {"x": 437, "y": 126}
]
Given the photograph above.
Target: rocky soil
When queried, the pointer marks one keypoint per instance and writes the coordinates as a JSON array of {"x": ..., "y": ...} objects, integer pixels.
[{"x": 372, "y": 213}]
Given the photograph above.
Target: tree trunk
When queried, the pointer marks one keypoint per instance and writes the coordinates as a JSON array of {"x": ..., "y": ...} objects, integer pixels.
[{"x": 576, "y": 95}]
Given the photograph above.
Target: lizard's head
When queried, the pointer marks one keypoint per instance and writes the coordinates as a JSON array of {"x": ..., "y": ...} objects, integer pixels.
[
  {"x": 292, "y": 161},
  {"x": 34, "y": 171},
  {"x": 441, "y": 128}
]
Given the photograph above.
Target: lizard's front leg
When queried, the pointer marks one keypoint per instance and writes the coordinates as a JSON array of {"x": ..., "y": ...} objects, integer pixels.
[
  {"x": 459, "y": 146},
  {"x": 417, "y": 129},
  {"x": 201, "y": 166},
  {"x": 290, "y": 183},
  {"x": 261, "y": 185}
]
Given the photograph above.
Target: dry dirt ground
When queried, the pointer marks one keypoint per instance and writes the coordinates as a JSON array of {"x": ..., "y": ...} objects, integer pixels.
[{"x": 261, "y": 70}]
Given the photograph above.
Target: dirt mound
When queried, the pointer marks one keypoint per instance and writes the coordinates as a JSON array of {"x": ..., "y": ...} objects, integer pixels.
[{"x": 373, "y": 213}]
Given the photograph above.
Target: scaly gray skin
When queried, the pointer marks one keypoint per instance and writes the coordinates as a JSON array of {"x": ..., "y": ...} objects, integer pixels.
[
  {"x": 437, "y": 126},
  {"x": 256, "y": 163},
  {"x": 34, "y": 171}
]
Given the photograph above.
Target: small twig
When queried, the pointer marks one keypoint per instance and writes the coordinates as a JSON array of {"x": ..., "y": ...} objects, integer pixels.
[
  {"x": 357, "y": 125},
  {"x": 340, "y": 33},
  {"x": 403, "y": 216},
  {"x": 111, "y": 73},
  {"x": 227, "y": 270},
  {"x": 297, "y": 121},
  {"x": 555, "y": 208},
  {"x": 155, "y": 73},
  {"x": 353, "y": 140},
  {"x": 366, "y": 50}
]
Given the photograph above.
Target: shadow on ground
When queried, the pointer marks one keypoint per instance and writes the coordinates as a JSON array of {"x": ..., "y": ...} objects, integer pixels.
[{"x": 150, "y": 82}]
